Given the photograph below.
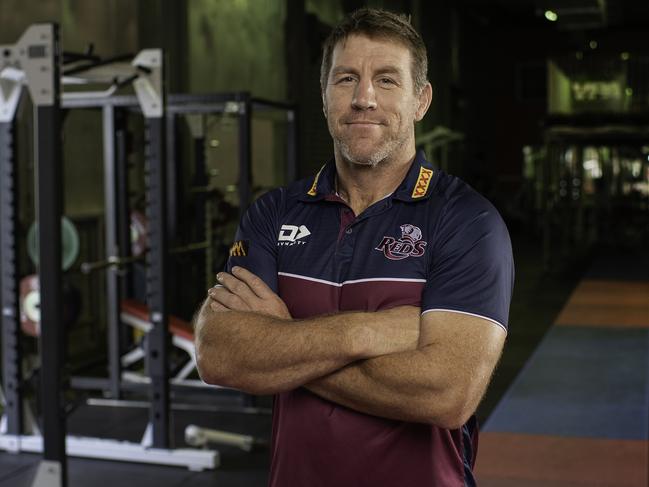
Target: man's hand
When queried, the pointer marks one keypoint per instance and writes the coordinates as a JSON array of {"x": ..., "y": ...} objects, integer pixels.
[{"x": 244, "y": 291}]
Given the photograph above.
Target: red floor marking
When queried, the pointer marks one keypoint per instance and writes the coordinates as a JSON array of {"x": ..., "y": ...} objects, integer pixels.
[
  {"x": 607, "y": 303},
  {"x": 514, "y": 460}
]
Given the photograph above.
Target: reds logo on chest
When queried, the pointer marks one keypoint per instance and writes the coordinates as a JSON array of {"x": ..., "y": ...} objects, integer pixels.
[{"x": 409, "y": 245}]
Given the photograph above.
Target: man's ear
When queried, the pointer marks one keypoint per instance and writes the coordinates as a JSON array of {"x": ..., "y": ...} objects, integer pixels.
[
  {"x": 324, "y": 104},
  {"x": 425, "y": 98}
]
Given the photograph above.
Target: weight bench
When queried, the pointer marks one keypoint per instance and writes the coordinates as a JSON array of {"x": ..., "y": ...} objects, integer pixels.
[
  {"x": 136, "y": 314},
  {"x": 197, "y": 459}
]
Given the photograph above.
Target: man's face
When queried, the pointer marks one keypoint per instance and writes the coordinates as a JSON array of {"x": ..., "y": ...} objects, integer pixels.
[{"x": 370, "y": 102}]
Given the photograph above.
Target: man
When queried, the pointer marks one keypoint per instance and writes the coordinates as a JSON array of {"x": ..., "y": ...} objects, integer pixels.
[{"x": 372, "y": 299}]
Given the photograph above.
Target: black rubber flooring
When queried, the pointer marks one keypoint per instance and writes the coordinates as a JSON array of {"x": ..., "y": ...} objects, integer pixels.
[{"x": 238, "y": 468}]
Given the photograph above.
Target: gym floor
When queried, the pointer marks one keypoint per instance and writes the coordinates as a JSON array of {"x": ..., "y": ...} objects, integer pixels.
[
  {"x": 238, "y": 468},
  {"x": 578, "y": 412},
  {"x": 538, "y": 414}
]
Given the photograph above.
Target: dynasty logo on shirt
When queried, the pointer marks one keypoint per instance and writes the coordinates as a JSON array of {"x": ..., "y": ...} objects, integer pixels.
[
  {"x": 409, "y": 245},
  {"x": 239, "y": 248},
  {"x": 292, "y": 235}
]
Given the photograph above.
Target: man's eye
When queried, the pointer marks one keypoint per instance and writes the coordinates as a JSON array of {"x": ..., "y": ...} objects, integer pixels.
[
  {"x": 345, "y": 79},
  {"x": 386, "y": 81}
]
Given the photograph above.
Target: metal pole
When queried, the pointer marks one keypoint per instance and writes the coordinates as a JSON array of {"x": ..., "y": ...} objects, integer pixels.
[
  {"x": 113, "y": 297},
  {"x": 291, "y": 146},
  {"x": 123, "y": 207},
  {"x": 172, "y": 195},
  {"x": 11, "y": 350},
  {"x": 245, "y": 156},
  {"x": 50, "y": 205},
  {"x": 150, "y": 91},
  {"x": 158, "y": 337},
  {"x": 173, "y": 188}
]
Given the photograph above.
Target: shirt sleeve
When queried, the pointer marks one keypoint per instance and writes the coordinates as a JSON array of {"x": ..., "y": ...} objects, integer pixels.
[
  {"x": 472, "y": 268},
  {"x": 255, "y": 243}
]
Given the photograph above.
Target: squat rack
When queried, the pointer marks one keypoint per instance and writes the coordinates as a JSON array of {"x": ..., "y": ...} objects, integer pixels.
[
  {"x": 40, "y": 71},
  {"x": 113, "y": 108},
  {"x": 35, "y": 61},
  {"x": 35, "y": 58}
]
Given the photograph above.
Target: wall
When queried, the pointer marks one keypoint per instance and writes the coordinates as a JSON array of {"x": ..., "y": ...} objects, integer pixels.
[
  {"x": 237, "y": 46},
  {"x": 111, "y": 27}
]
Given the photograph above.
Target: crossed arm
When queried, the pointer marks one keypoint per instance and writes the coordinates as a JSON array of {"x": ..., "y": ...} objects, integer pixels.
[{"x": 393, "y": 363}]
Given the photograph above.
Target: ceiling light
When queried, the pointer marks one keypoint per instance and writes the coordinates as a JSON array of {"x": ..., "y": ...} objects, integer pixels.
[{"x": 551, "y": 16}]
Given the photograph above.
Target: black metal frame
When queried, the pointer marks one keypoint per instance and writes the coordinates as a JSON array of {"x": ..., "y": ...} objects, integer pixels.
[
  {"x": 156, "y": 272},
  {"x": 113, "y": 290},
  {"x": 11, "y": 349},
  {"x": 160, "y": 176},
  {"x": 610, "y": 129},
  {"x": 50, "y": 210},
  {"x": 50, "y": 280},
  {"x": 39, "y": 54}
]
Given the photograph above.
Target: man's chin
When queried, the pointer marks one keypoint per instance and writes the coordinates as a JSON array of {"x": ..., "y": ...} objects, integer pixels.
[
  {"x": 363, "y": 162},
  {"x": 363, "y": 158}
]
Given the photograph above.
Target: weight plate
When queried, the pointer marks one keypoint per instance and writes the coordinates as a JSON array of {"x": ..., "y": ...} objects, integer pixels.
[
  {"x": 139, "y": 229},
  {"x": 32, "y": 306},
  {"x": 69, "y": 241}
]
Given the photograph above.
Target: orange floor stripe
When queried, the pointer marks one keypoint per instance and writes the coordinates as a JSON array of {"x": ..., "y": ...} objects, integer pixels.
[
  {"x": 607, "y": 303},
  {"x": 509, "y": 459}
]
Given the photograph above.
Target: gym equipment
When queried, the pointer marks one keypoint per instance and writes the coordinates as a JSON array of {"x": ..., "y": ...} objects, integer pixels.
[
  {"x": 161, "y": 117},
  {"x": 234, "y": 106},
  {"x": 30, "y": 304},
  {"x": 34, "y": 60},
  {"x": 201, "y": 437},
  {"x": 113, "y": 261},
  {"x": 30, "y": 301},
  {"x": 590, "y": 178},
  {"x": 590, "y": 187},
  {"x": 139, "y": 238},
  {"x": 69, "y": 243},
  {"x": 137, "y": 315}
]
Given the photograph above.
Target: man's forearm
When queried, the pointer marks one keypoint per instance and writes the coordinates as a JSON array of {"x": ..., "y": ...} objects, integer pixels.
[
  {"x": 264, "y": 355},
  {"x": 397, "y": 386},
  {"x": 441, "y": 382}
]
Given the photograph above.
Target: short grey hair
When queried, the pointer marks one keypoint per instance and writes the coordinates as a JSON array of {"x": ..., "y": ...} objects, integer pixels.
[{"x": 377, "y": 23}]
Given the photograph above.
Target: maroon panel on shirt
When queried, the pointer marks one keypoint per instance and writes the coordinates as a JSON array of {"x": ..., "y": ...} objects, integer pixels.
[
  {"x": 306, "y": 297},
  {"x": 316, "y": 442},
  {"x": 378, "y": 295}
]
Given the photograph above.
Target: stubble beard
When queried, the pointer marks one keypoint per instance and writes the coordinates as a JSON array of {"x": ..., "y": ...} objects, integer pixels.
[
  {"x": 372, "y": 160},
  {"x": 381, "y": 154}
]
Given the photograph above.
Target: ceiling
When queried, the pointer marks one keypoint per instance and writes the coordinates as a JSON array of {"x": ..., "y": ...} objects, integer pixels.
[{"x": 575, "y": 15}]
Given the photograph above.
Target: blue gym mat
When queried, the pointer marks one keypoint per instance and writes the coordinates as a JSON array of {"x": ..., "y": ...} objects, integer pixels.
[{"x": 581, "y": 382}]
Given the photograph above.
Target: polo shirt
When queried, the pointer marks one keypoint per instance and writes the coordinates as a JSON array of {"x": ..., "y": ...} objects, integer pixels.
[{"x": 433, "y": 243}]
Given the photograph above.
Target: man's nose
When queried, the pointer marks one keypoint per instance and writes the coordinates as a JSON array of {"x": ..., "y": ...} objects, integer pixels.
[{"x": 364, "y": 96}]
